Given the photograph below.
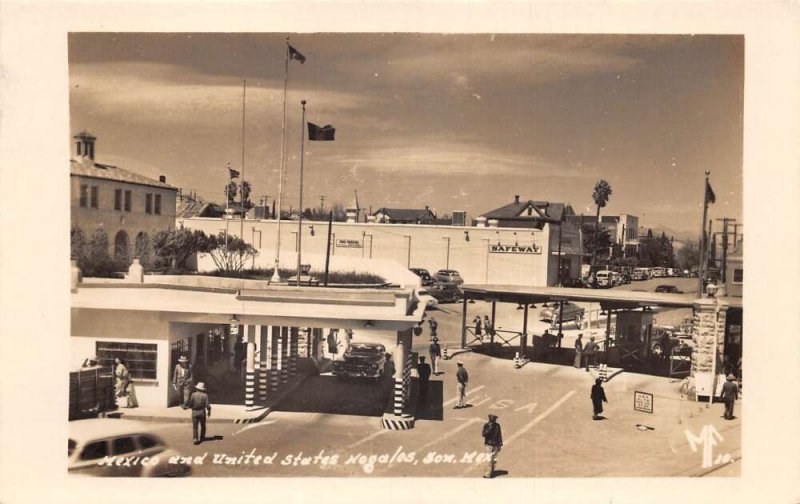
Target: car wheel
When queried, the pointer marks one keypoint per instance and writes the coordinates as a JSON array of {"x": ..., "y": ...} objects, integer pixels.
[{"x": 657, "y": 350}]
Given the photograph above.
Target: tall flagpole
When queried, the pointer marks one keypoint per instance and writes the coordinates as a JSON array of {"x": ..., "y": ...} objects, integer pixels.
[
  {"x": 241, "y": 186},
  {"x": 276, "y": 277},
  {"x": 703, "y": 240},
  {"x": 300, "y": 220}
]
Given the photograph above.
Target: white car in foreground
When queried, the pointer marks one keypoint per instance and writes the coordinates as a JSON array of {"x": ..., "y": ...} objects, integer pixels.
[{"x": 111, "y": 447}]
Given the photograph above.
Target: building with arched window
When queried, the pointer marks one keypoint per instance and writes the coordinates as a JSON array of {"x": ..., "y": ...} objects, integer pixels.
[{"x": 129, "y": 208}]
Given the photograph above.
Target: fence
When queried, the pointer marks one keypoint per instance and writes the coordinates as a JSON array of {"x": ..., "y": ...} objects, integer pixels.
[{"x": 91, "y": 392}]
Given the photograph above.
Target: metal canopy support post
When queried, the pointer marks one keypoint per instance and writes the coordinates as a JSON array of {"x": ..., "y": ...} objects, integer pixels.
[
  {"x": 560, "y": 320},
  {"x": 524, "y": 337},
  {"x": 608, "y": 326},
  {"x": 494, "y": 325},
  {"x": 464, "y": 322}
]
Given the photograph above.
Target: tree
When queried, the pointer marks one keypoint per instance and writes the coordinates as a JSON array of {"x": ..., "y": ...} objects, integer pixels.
[
  {"x": 688, "y": 257},
  {"x": 596, "y": 241},
  {"x": 92, "y": 253},
  {"x": 231, "y": 190},
  {"x": 246, "y": 189},
  {"x": 601, "y": 195},
  {"x": 231, "y": 254},
  {"x": 172, "y": 247}
]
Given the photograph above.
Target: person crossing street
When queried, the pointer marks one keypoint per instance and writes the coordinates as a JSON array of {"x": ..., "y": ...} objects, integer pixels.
[
  {"x": 201, "y": 408},
  {"x": 435, "y": 352},
  {"x": 493, "y": 441},
  {"x": 463, "y": 378}
]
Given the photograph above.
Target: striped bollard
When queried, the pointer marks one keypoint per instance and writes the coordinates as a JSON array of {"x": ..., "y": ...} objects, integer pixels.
[
  {"x": 274, "y": 353},
  {"x": 250, "y": 377},
  {"x": 293, "y": 350},
  {"x": 284, "y": 355},
  {"x": 398, "y": 395},
  {"x": 444, "y": 355},
  {"x": 263, "y": 376},
  {"x": 516, "y": 361}
]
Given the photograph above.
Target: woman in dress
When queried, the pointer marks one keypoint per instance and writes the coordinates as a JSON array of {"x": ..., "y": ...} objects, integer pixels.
[{"x": 123, "y": 384}]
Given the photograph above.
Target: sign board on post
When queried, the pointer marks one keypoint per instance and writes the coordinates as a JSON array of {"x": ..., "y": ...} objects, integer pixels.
[
  {"x": 348, "y": 243},
  {"x": 642, "y": 401}
]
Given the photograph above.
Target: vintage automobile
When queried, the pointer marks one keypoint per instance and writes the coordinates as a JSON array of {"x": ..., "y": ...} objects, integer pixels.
[
  {"x": 571, "y": 312},
  {"x": 96, "y": 444},
  {"x": 448, "y": 276},
  {"x": 425, "y": 296},
  {"x": 424, "y": 276},
  {"x": 361, "y": 360},
  {"x": 668, "y": 289},
  {"x": 445, "y": 292},
  {"x": 665, "y": 339}
]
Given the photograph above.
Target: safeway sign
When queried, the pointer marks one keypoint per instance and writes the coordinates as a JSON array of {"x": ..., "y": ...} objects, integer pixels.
[{"x": 515, "y": 249}]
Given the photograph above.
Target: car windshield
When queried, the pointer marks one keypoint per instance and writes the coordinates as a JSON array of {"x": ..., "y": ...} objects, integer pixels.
[{"x": 365, "y": 350}]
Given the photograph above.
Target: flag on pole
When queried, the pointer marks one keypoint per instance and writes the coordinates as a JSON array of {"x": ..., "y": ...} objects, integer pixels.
[
  {"x": 324, "y": 133},
  {"x": 294, "y": 54},
  {"x": 233, "y": 173},
  {"x": 710, "y": 196}
]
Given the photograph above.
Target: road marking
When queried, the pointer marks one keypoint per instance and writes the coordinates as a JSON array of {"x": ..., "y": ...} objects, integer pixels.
[
  {"x": 487, "y": 399},
  {"x": 253, "y": 425},
  {"x": 451, "y": 401},
  {"x": 538, "y": 419},
  {"x": 461, "y": 427},
  {"x": 368, "y": 438}
]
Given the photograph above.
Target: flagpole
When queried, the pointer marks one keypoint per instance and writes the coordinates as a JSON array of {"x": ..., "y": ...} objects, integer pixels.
[
  {"x": 276, "y": 277},
  {"x": 703, "y": 240},
  {"x": 300, "y": 220},
  {"x": 241, "y": 186}
]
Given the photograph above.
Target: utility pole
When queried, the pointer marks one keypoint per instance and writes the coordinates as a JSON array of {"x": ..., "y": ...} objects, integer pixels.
[
  {"x": 321, "y": 203},
  {"x": 725, "y": 223}
]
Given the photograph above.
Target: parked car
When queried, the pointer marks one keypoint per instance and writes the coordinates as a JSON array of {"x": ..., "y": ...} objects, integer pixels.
[
  {"x": 424, "y": 276},
  {"x": 576, "y": 283},
  {"x": 604, "y": 278},
  {"x": 669, "y": 289},
  {"x": 445, "y": 292},
  {"x": 639, "y": 274},
  {"x": 664, "y": 339},
  {"x": 626, "y": 278},
  {"x": 361, "y": 360},
  {"x": 571, "y": 312},
  {"x": 91, "y": 441},
  {"x": 449, "y": 276}
]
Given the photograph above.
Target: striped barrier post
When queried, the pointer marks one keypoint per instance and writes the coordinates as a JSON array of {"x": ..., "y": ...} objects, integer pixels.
[
  {"x": 262, "y": 370},
  {"x": 284, "y": 375},
  {"x": 275, "y": 352},
  {"x": 516, "y": 360},
  {"x": 293, "y": 351},
  {"x": 444, "y": 355},
  {"x": 250, "y": 374},
  {"x": 398, "y": 395}
]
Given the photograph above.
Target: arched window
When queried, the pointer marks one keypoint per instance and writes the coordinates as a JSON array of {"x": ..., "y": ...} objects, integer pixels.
[{"x": 122, "y": 248}]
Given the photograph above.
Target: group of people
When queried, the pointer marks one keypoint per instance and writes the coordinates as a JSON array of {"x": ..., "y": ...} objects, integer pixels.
[
  {"x": 585, "y": 355},
  {"x": 483, "y": 326},
  {"x": 123, "y": 381}
]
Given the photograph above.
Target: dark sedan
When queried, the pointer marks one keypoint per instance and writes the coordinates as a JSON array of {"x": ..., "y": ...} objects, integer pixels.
[
  {"x": 361, "y": 360},
  {"x": 423, "y": 275},
  {"x": 668, "y": 289},
  {"x": 445, "y": 292}
]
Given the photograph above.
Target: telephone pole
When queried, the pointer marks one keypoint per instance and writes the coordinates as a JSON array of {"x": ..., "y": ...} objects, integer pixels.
[
  {"x": 321, "y": 203},
  {"x": 725, "y": 223}
]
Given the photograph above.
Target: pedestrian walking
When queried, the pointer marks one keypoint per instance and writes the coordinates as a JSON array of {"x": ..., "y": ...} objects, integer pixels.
[
  {"x": 436, "y": 353},
  {"x": 424, "y": 371},
  {"x": 589, "y": 353},
  {"x": 462, "y": 377},
  {"x": 123, "y": 385},
  {"x": 578, "y": 350},
  {"x": 201, "y": 408},
  {"x": 598, "y": 396},
  {"x": 493, "y": 441},
  {"x": 182, "y": 380},
  {"x": 433, "y": 325},
  {"x": 488, "y": 326},
  {"x": 477, "y": 322},
  {"x": 730, "y": 392}
]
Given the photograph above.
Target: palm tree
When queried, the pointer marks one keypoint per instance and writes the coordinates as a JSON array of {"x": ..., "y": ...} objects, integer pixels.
[{"x": 601, "y": 195}]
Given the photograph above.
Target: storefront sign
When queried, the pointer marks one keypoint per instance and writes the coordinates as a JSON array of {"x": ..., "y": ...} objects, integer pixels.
[
  {"x": 515, "y": 249},
  {"x": 346, "y": 243},
  {"x": 642, "y": 401}
]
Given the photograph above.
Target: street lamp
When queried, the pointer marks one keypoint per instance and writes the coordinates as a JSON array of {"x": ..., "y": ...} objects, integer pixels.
[{"x": 447, "y": 261}]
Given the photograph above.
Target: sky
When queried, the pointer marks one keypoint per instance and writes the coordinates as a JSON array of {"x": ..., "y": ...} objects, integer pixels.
[{"x": 452, "y": 121}]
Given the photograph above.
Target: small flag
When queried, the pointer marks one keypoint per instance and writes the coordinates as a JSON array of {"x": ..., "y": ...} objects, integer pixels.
[
  {"x": 324, "y": 133},
  {"x": 233, "y": 173},
  {"x": 295, "y": 55},
  {"x": 710, "y": 196}
]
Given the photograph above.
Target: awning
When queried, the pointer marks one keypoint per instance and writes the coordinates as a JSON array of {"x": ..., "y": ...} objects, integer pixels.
[{"x": 570, "y": 250}]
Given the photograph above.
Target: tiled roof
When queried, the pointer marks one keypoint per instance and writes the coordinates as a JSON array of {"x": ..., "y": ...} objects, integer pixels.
[
  {"x": 114, "y": 173},
  {"x": 541, "y": 210}
]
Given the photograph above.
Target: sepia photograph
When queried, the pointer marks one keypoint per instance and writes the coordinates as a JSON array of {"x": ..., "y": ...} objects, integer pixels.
[
  {"x": 397, "y": 254},
  {"x": 294, "y": 251}
]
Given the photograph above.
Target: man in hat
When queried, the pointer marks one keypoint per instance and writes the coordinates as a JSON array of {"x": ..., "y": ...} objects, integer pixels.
[
  {"x": 730, "y": 392},
  {"x": 182, "y": 380},
  {"x": 463, "y": 378},
  {"x": 598, "y": 396},
  {"x": 424, "y": 371},
  {"x": 493, "y": 441},
  {"x": 589, "y": 353},
  {"x": 433, "y": 325},
  {"x": 436, "y": 353},
  {"x": 201, "y": 408}
]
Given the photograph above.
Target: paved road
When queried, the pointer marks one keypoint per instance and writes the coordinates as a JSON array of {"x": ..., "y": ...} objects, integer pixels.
[{"x": 544, "y": 411}]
